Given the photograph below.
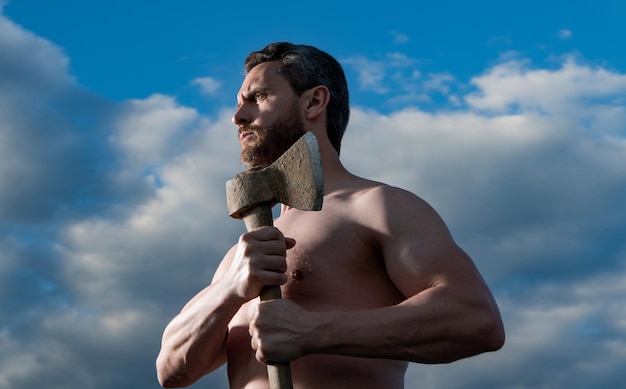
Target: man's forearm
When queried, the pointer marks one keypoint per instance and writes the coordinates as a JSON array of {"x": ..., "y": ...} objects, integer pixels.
[
  {"x": 194, "y": 342},
  {"x": 432, "y": 327}
]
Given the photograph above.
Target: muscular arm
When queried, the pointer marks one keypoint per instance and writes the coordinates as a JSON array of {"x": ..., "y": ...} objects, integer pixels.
[
  {"x": 448, "y": 312},
  {"x": 194, "y": 342},
  {"x": 448, "y": 320}
]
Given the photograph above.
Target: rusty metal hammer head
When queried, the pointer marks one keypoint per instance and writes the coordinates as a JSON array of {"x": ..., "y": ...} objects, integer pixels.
[{"x": 294, "y": 179}]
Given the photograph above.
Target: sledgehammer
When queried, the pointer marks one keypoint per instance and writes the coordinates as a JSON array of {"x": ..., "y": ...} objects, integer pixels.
[{"x": 294, "y": 179}]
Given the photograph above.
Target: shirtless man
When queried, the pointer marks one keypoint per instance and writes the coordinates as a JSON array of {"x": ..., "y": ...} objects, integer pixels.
[{"x": 372, "y": 281}]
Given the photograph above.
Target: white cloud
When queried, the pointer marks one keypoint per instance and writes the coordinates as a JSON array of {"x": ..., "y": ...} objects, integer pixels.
[
  {"x": 573, "y": 89},
  {"x": 501, "y": 41},
  {"x": 176, "y": 220},
  {"x": 49, "y": 128},
  {"x": 400, "y": 80},
  {"x": 379, "y": 76},
  {"x": 370, "y": 73},
  {"x": 208, "y": 86},
  {"x": 399, "y": 60},
  {"x": 439, "y": 82},
  {"x": 565, "y": 335},
  {"x": 147, "y": 128},
  {"x": 84, "y": 229},
  {"x": 564, "y": 34},
  {"x": 29, "y": 61},
  {"x": 399, "y": 37}
]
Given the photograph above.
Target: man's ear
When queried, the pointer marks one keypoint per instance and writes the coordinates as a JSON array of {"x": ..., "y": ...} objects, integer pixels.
[{"x": 316, "y": 100}]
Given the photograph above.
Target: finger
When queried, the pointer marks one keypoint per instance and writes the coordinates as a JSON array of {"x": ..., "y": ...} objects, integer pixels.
[
  {"x": 274, "y": 263},
  {"x": 261, "y": 243},
  {"x": 289, "y": 243},
  {"x": 259, "y": 356},
  {"x": 252, "y": 337},
  {"x": 268, "y": 233},
  {"x": 273, "y": 278}
]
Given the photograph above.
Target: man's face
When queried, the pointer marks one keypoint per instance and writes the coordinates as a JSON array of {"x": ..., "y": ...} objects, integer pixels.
[{"x": 268, "y": 116}]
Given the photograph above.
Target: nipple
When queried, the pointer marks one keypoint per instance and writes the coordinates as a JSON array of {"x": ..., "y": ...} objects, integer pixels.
[{"x": 297, "y": 275}]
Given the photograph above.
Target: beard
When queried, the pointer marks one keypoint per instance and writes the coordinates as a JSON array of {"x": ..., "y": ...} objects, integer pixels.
[{"x": 272, "y": 141}]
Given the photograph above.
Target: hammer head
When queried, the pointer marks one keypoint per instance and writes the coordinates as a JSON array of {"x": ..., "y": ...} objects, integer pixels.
[{"x": 294, "y": 179}]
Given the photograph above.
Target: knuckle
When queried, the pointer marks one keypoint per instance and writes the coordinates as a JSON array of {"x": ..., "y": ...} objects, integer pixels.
[
  {"x": 245, "y": 237},
  {"x": 260, "y": 356},
  {"x": 273, "y": 232}
]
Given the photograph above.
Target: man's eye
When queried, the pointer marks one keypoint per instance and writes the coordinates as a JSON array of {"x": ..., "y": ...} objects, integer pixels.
[{"x": 259, "y": 97}]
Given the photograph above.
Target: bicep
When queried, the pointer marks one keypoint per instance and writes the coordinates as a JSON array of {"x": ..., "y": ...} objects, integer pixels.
[
  {"x": 418, "y": 249},
  {"x": 415, "y": 266}
]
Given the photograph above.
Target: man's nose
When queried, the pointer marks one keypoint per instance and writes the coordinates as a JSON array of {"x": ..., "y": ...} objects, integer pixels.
[{"x": 241, "y": 117}]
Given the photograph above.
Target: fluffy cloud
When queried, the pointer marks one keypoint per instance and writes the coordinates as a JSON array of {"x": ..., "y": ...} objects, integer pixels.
[
  {"x": 590, "y": 93},
  {"x": 370, "y": 73},
  {"x": 147, "y": 128},
  {"x": 564, "y": 33},
  {"x": 208, "y": 85},
  {"x": 565, "y": 335},
  {"x": 45, "y": 152},
  {"x": 397, "y": 78},
  {"x": 98, "y": 198}
]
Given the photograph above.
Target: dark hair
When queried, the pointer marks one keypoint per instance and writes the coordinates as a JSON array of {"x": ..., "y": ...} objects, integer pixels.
[{"x": 306, "y": 67}]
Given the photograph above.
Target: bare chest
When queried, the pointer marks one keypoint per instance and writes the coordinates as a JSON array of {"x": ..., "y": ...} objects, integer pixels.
[{"x": 334, "y": 264}]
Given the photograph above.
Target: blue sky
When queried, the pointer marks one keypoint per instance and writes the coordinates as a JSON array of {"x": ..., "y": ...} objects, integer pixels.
[{"x": 116, "y": 142}]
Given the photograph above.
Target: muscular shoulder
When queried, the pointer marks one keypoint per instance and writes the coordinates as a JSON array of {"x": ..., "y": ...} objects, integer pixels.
[
  {"x": 393, "y": 211},
  {"x": 412, "y": 238}
]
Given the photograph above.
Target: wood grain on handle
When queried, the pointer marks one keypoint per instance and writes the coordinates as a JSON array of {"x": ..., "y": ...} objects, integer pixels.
[{"x": 279, "y": 374}]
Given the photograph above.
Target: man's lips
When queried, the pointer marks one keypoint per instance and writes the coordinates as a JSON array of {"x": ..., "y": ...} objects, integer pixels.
[{"x": 243, "y": 135}]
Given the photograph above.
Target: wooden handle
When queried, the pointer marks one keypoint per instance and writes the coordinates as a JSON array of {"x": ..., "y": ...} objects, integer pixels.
[
  {"x": 279, "y": 374},
  {"x": 270, "y": 292},
  {"x": 258, "y": 216}
]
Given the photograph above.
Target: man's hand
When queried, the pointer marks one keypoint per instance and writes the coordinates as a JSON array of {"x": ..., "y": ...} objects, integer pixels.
[
  {"x": 260, "y": 259},
  {"x": 279, "y": 330}
]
